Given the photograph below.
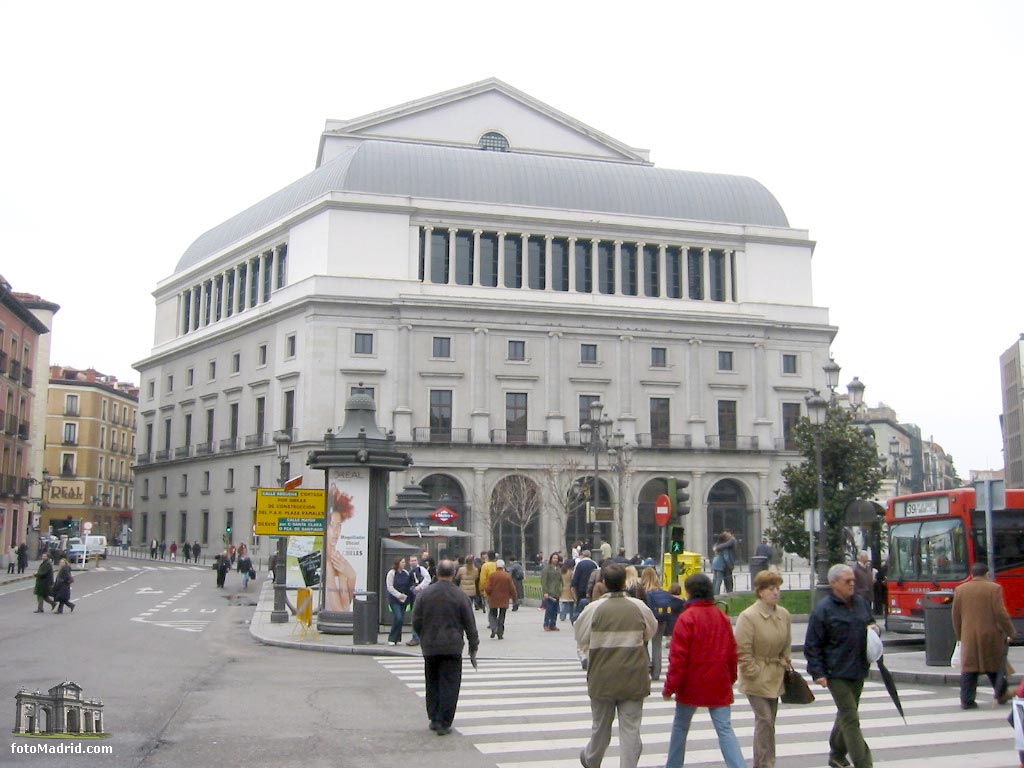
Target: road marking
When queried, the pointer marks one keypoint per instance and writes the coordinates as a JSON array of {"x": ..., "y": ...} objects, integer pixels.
[{"x": 184, "y": 625}]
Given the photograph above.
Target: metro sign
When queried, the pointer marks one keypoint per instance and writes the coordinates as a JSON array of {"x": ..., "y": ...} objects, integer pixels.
[{"x": 444, "y": 515}]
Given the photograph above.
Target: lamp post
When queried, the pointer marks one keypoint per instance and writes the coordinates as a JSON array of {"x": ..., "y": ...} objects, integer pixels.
[
  {"x": 817, "y": 413},
  {"x": 282, "y": 441},
  {"x": 896, "y": 452},
  {"x": 599, "y": 438}
]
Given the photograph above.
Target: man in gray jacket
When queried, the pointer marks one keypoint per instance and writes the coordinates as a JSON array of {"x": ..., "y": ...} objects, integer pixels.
[{"x": 441, "y": 615}]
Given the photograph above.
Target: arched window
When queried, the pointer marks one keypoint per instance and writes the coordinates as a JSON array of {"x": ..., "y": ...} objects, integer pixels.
[{"x": 492, "y": 141}]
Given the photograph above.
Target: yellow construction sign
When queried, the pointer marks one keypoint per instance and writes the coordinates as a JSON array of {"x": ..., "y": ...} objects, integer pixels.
[{"x": 290, "y": 513}]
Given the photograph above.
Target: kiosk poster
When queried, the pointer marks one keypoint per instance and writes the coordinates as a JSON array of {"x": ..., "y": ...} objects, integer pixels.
[
  {"x": 347, "y": 541},
  {"x": 304, "y": 566}
]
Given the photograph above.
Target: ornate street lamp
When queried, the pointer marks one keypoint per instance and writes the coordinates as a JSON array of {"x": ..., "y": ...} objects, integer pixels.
[
  {"x": 596, "y": 438},
  {"x": 817, "y": 414},
  {"x": 283, "y": 442},
  {"x": 855, "y": 389}
]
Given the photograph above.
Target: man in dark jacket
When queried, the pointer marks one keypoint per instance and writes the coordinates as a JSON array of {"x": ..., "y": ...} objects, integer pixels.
[
  {"x": 441, "y": 615},
  {"x": 44, "y": 583},
  {"x": 836, "y": 651},
  {"x": 580, "y": 579}
]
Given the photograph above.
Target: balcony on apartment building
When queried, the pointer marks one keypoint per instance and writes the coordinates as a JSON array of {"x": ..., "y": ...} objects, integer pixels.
[
  {"x": 519, "y": 436},
  {"x": 436, "y": 435}
]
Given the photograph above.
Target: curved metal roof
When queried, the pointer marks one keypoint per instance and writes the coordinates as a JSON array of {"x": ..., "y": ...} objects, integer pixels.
[{"x": 506, "y": 178}]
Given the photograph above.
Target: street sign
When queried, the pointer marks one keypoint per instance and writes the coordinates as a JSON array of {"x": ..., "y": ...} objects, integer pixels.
[
  {"x": 87, "y": 526},
  {"x": 290, "y": 513},
  {"x": 662, "y": 510},
  {"x": 444, "y": 515}
]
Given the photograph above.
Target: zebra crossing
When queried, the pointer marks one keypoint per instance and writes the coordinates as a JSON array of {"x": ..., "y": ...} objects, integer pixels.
[
  {"x": 527, "y": 713},
  {"x": 183, "y": 566}
]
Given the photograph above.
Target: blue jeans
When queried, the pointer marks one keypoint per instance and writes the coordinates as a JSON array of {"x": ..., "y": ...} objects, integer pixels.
[
  {"x": 551, "y": 613},
  {"x": 397, "y": 620},
  {"x": 721, "y": 718},
  {"x": 565, "y": 609}
]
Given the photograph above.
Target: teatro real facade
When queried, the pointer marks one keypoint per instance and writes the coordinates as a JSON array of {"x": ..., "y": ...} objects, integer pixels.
[{"x": 486, "y": 267}]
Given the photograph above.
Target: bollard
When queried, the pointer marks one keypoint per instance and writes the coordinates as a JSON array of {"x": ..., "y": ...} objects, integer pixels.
[{"x": 365, "y": 623}]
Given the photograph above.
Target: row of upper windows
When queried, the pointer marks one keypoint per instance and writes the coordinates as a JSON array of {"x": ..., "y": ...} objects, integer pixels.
[
  {"x": 441, "y": 349},
  {"x": 290, "y": 349},
  {"x": 242, "y": 287},
  {"x": 116, "y": 470},
  {"x": 114, "y": 412},
  {"x": 584, "y": 265},
  {"x": 204, "y": 482},
  {"x": 234, "y": 427},
  {"x": 26, "y": 350}
]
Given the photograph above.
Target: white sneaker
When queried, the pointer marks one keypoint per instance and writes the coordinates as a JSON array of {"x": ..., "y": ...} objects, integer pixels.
[{"x": 391, "y": 643}]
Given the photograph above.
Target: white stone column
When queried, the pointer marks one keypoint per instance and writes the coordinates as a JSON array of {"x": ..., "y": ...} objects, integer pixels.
[
  {"x": 479, "y": 385},
  {"x": 641, "y": 276},
  {"x": 737, "y": 271},
  {"x": 762, "y": 420},
  {"x": 572, "y": 265},
  {"x": 476, "y": 257},
  {"x": 204, "y": 304},
  {"x": 548, "y": 271},
  {"x": 525, "y": 255},
  {"x": 726, "y": 263},
  {"x": 595, "y": 282},
  {"x": 617, "y": 259},
  {"x": 684, "y": 271},
  {"x": 197, "y": 315},
  {"x": 555, "y": 420},
  {"x": 501, "y": 260},
  {"x": 184, "y": 318},
  {"x": 275, "y": 274},
  {"x": 427, "y": 232},
  {"x": 705, "y": 260},
  {"x": 224, "y": 294},
  {"x": 403, "y": 385},
  {"x": 451, "y": 255},
  {"x": 481, "y": 526},
  {"x": 695, "y": 396},
  {"x": 663, "y": 262}
]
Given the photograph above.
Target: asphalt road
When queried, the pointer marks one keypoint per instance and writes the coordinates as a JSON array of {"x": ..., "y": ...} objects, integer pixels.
[{"x": 183, "y": 683}]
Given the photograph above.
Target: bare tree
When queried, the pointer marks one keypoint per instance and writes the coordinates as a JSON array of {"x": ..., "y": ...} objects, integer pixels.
[
  {"x": 559, "y": 480},
  {"x": 516, "y": 500},
  {"x": 621, "y": 464}
]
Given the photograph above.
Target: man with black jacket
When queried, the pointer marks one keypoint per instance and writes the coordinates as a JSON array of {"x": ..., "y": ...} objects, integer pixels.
[
  {"x": 580, "y": 580},
  {"x": 836, "y": 651},
  {"x": 441, "y": 615}
]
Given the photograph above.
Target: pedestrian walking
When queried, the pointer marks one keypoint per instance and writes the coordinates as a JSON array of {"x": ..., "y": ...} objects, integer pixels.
[
  {"x": 44, "y": 583},
  {"x": 723, "y": 562},
  {"x": 515, "y": 570},
  {"x": 441, "y": 616},
  {"x": 419, "y": 579},
  {"x": 9, "y": 559},
  {"x": 983, "y": 627},
  {"x": 665, "y": 606},
  {"x": 836, "y": 652},
  {"x": 611, "y": 635},
  {"x": 154, "y": 545},
  {"x": 163, "y": 550},
  {"x": 22, "y": 555},
  {"x": 487, "y": 567},
  {"x": 580, "y": 580},
  {"x": 865, "y": 576},
  {"x": 763, "y": 639},
  {"x": 551, "y": 591},
  {"x": 196, "y": 549},
  {"x": 222, "y": 564},
  {"x": 606, "y": 551},
  {"x": 396, "y": 584},
  {"x": 62, "y": 588},
  {"x": 702, "y": 668},
  {"x": 186, "y": 551},
  {"x": 174, "y": 550},
  {"x": 245, "y": 568},
  {"x": 565, "y": 599},
  {"x": 501, "y": 592},
  {"x": 468, "y": 580}
]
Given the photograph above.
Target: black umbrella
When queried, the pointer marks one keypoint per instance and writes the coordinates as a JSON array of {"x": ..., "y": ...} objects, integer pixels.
[
  {"x": 1001, "y": 684},
  {"x": 890, "y": 686}
]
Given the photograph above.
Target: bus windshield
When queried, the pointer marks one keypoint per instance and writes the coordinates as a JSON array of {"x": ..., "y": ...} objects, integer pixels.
[
  {"x": 932, "y": 550},
  {"x": 1009, "y": 537}
]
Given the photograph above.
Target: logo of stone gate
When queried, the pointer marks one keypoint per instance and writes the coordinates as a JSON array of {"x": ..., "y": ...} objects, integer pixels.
[{"x": 60, "y": 712}]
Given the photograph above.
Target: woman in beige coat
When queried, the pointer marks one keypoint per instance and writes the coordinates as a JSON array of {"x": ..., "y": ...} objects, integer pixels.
[{"x": 764, "y": 637}]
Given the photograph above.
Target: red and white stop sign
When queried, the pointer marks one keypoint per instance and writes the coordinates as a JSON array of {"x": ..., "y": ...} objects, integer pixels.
[
  {"x": 662, "y": 510},
  {"x": 444, "y": 515}
]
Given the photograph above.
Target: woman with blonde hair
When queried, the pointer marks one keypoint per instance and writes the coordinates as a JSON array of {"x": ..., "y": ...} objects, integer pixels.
[
  {"x": 467, "y": 578},
  {"x": 634, "y": 587},
  {"x": 763, "y": 639}
]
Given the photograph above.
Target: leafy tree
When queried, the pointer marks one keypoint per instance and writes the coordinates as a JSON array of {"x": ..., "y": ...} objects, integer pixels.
[{"x": 850, "y": 471}]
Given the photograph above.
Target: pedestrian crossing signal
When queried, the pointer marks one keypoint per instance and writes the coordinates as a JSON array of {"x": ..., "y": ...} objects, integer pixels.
[{"x": 678, "y": 541}]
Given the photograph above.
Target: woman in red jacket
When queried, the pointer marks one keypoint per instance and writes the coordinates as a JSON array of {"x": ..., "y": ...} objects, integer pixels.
[{"x": 701, "y": 671}]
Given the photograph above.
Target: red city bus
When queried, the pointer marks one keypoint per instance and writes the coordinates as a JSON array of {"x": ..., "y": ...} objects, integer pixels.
[{"x": 935, "y": 538}]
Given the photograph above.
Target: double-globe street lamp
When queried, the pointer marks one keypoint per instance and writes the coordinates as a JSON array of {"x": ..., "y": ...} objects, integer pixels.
[
  {"x": 597, "y": 437},
  {"x": 818, "y": 414},
  {"x": 283, "y": 442}
]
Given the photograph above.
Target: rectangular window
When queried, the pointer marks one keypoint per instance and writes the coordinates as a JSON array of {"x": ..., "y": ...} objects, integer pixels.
[
  {"x": 230, "y": 302},
  {"x": 218, "y": 290},
  {"x": 464, "y": 257},
  {"x": 489, "y": 259},
  {"x": 661, "y": 427},
  {"x": 442, "y": 347},
  {"x": 163, "y": 486},
  {"x": 167, "y": 435},
  {"x": 183, "y": 528},
  {"x": 588, "y": 353},
  {"x": 538, "y": 260},
  {"x": 184, "y": 485},
  {"x": 233, "y": 420},
  {"x": 256, "y": 476},
  {"x": 727, "y": 424},
  {"x": 659, "y": 357},
  {"x": 289, "y": 409},
  {"x": 236, "y": 362},
  {"x": 231, "y": 479},
  {"x": 261, "y": 415},
  {"x": 186, "y": 314},
  {"x": 606, "y": 267},
  {"x": 440, "y": 415},
  {"x": 67, "y": 465},
  {"x": 717, "y": 269},
  {"x": 282, "y": 265},
  {"x": 188, "y": 429},
  {"x": 190, "y": 375},
  {"x": 149, "y": 438},
  {"x": 515, "y": 417},
  {"x": 789, "y": 364},
  {"x": 790, "y": 418},
  {"x": 724, "y": 360},
  {"x": 559, "y": 264},
  {"x": 145, "y": 488},
  {"x": 513, "y": 261},
  {"x": 695, "y": 272},
  {"x": 71, "y": 405},
  {"x": 585, "y": 402},
  {"x": 368, "y": 391},
  {"x": 439, "y": 256},
  {"x": 170, "y": 383},
  {"x": 211, "y": 370},
  {"x": 209, "y": 424},
  {"x": 364, "y": 344},
  {"x": 584, "y": 268},
  {"x": 207, "y": 296},
  {"x": 627, "y": 258},
  {"x": 517, "y": 350},
  {"x": 71, "y": 434},
  {"x": 103, "y": 410},
  {"x": 652, "y": 270},
  {"x": 206, "y": 481},
  {"x": 206, "y": 528},
  {"x": 254, "y": 281},
  {"x": 268, "y": 261},
  {"x": 242, "y": 275},
  {"x": 150, "y": 389},
  {"x": 261, "y": 355},
  {"x": 289, "y": 345}
]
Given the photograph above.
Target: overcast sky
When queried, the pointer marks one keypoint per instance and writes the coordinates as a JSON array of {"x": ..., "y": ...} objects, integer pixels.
[{"x": 890, "y": 130}]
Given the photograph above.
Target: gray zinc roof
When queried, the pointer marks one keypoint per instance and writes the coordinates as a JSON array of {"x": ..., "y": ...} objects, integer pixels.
[{"x": 506, "y": 178}]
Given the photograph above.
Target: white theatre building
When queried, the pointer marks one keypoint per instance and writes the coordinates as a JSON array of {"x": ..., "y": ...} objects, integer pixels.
[{"x": 486, "y": 267}]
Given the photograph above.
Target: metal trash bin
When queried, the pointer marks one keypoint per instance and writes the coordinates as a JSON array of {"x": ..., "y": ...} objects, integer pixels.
[
  {"x": 757, "y": 564},
  {"x": 939, "y": 638},
  {"x": 364, "y": 619}
]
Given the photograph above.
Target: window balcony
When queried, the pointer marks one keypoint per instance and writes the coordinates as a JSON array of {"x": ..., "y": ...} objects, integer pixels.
[
  {"x": 519, "y": 437},
  {"x": 204, "y": 449},
  {"x": 68, "y": 440},
  {"x": 23, "y": 431},
  {"x": 255, "y": 441},
  {"x": 143, "y": 458},
  {"x": 433, "y": 435},
  {"x": 732, "y": 442},
  {"x": 183, "y": 452},
  {"x": 3, "y": 362},
  {"x": 164, "y": 455},
  {"x": 663, "y": 440},
  {"x": 229, "y": 444},
  {"x": 786, "y": 444},
  {"x": 71, "y": 410},
  {"x": 26, "y": 377},
  {"x": 7, "y": 485},
  {"x": 15, "y": 370},
  {"x": 12, "y": 424},
  {"x": 68, "y": 474}
]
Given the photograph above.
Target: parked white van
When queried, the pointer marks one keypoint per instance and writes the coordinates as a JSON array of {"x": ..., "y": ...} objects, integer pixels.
[{"x": 94, "y": 547}]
